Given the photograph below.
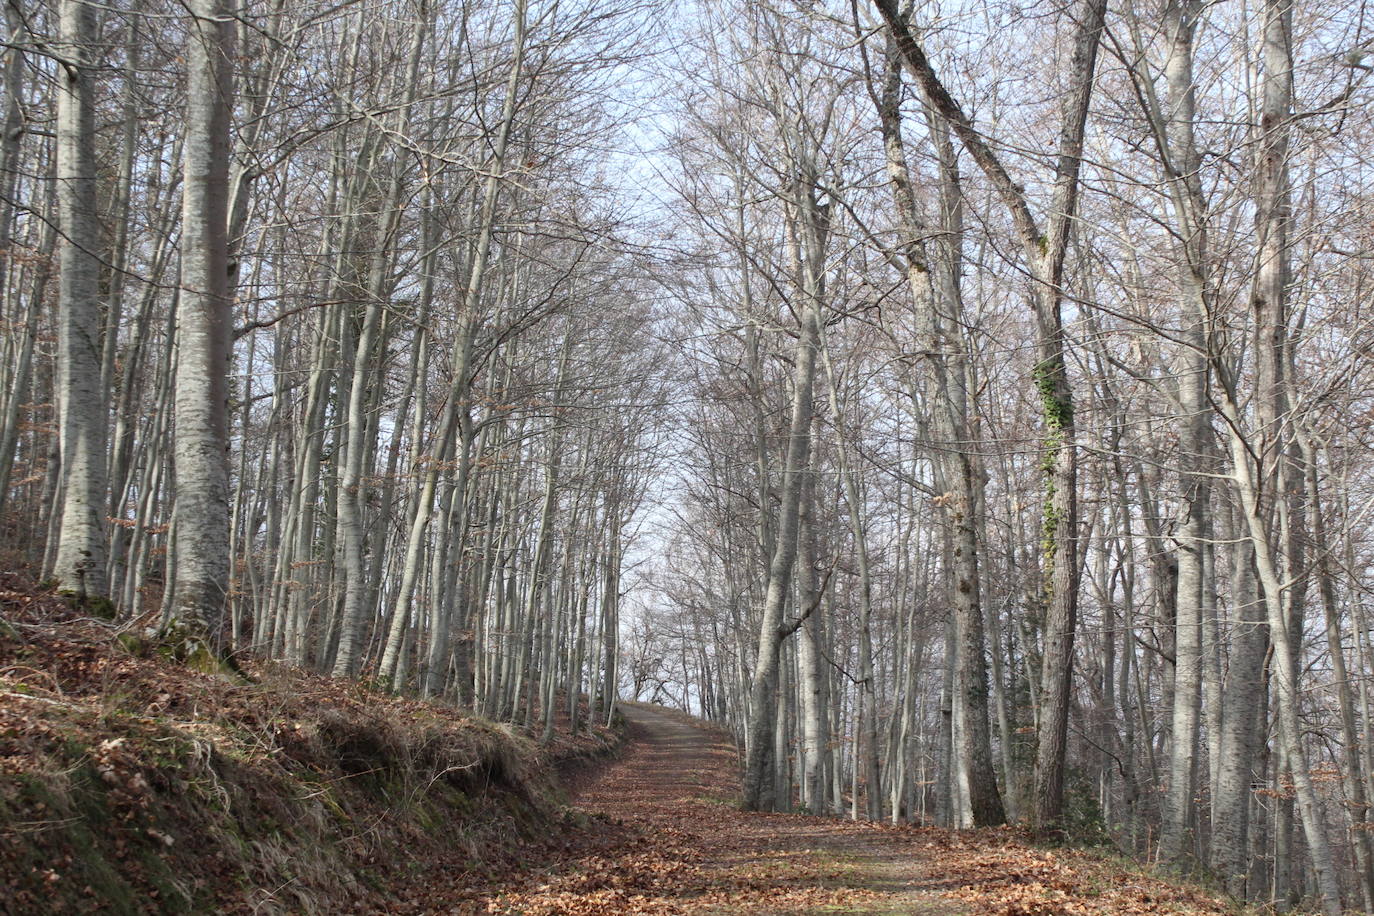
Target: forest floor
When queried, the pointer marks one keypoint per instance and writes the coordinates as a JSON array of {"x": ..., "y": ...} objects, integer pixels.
[
  {"x": 130, "y": 784},
  {"x": 674, "y": 842},
  {"x": 684, "y": 847}
]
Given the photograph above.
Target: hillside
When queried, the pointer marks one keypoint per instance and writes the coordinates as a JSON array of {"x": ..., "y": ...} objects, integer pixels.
[{"x": 130, "y": 784}]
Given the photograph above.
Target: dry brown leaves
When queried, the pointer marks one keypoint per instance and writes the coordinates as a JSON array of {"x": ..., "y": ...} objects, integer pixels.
[
  {"x": 1001, "y": 875},
  {"x": 680, "y": 852}
]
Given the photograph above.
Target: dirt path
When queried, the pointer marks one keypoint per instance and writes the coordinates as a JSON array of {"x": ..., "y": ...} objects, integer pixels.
[
  {"x": 684, "y": 848},
  {"x": 662, "y": 837}
]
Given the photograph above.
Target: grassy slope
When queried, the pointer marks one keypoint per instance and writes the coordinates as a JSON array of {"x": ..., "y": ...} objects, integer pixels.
[{"x": 131, "y": 784}]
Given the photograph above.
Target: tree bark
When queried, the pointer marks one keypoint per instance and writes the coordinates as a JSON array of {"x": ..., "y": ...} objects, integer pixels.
[
  {"x": 1357, "y": 796},
  {"x": 934, "y": 285},
  {"x": 203, "y": 335},
  {"x": 1182, "y": 165},
  {"x": 79, "y": 561},
  {"x": 366, "y": 370},
  {"x": 810, "y": 664}
]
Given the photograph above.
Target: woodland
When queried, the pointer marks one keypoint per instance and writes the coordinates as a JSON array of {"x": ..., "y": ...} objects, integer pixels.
[{"x": 966, "y": 405}]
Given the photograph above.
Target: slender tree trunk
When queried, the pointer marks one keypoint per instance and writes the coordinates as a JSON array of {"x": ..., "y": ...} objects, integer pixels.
[
  {"x": 1285, "y": 672},
  {"x": 610, "y": 597},
  {"x": 1357, "y": 798},
  {"x": 810, "y": 661},
  {"x": 366, "y": 370},
  {"x": 456, "y": 417},
  {"x": 1260, "y": 496},
  {"x": 23, "y": 369},
  {"x": 118, "y": 259},
  {"x": 400, "y": 613},
  {"x": 759, "y": 762},
  {"x": 867, "y": 687},
  {"x": 1182, "y": 165},
  {"x": 934, "y": 288}
]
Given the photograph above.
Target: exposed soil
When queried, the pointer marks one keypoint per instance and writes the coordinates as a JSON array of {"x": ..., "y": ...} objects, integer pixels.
[{"x": 131, "y": 784}]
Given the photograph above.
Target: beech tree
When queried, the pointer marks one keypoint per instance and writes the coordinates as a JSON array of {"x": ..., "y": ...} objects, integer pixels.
[
  {"x": 933, "y": 272},
  {"x": 203, "y": 340},
  {"x": 78, "y": 562},
  {"x": 1045, "y": 255}
]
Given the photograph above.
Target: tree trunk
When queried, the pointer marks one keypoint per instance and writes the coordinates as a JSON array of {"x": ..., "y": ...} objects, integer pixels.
[
  {"x": 203, "y": 341},
  {"x": 759, "y": 762},
  {"x": 1357, "y": 798},
  {"x": 810, "y": 663},
  {"x": 366, "y": 371},
  {"x": 1045, "y": 256},
  {"x": 79, "y": 562},
  {"x": 1261, "y": 491},
  {"x": 931, "y": 279},
  {"x": 1182, "y": 169}
]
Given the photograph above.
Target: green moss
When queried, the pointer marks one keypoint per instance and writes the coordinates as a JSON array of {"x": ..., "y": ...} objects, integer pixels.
[
  {"x": 1049, "y": 537},
  {"x": 1057, "y": 413},
  {"x": 200, "y": 658},
  {"x": 134, "y": 644},
  {"x": 1056, "y": 410},
  {"x": 185, "y": 642},
  {"x": 102, "y": 607},
  {"x": 94, "y": 605},
  {"x": 326, "y": 798}
]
